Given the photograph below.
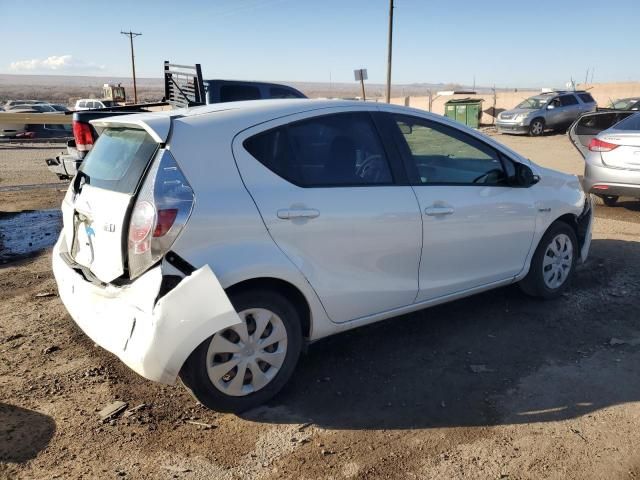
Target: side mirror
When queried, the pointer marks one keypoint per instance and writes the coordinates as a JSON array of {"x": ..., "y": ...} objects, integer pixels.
[
  {"x": 523, "y": 176},
  {"x": 550, "y": 107}
]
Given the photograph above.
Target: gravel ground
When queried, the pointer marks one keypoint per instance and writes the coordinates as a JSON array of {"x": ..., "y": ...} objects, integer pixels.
[{"x": 493, "y": 386}]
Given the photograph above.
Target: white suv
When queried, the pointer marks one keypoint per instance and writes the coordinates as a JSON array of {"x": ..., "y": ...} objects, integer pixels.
[{"x": 212, "y": 243}]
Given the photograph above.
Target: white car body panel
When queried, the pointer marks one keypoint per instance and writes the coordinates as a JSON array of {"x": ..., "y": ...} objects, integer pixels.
[
  {"x": 235, "y": 232},
  {"x": 485, "y": 240}
]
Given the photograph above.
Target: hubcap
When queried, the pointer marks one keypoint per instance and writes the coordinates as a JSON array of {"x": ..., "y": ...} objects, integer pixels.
[
  {"x": 244, "y": 358},
  {"x": 537, "y": 128},
  {"x": 558, "y": 261}
]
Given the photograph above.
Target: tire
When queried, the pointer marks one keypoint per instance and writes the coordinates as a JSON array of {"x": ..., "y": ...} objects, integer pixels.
[
  {"x": 215, "y": 388},
  {"x": 536, "y": 127},
  {"x": 540, "y": 281},
  {"x": 608, "y": 200}
]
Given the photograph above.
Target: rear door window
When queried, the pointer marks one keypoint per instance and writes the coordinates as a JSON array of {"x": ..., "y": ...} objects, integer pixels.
[
  {"x": 586, "y": 97},
  {"x": 326, "y": 151},
  {"x": 235, "y": 93},
  {"x": 568, "y": 100},
  {"x": 118, "y": 159}
]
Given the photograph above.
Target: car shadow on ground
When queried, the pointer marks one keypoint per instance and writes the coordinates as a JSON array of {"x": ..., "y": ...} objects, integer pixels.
[
  {"x": 494, "y": 358},
  {"x": 625, "y": 209},
  {"x": 23, "y": 433}
]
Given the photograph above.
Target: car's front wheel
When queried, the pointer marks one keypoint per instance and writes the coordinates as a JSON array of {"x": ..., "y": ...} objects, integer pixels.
[
  {"x": 536, "y": 128},
  {"x": 553, "y": 263},
  {"x": 243, "y": 366}
]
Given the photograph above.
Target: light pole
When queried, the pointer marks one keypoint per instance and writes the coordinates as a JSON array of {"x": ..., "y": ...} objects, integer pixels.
[{"x": 131, "y": 35}]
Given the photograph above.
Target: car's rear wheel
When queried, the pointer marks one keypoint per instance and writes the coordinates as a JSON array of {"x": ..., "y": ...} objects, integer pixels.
[
  {"x": 608, "y": 200},
  {"x": 536, "y": 128},
  {"x": 553, "y": 263},
  {"x": 243, "y": 366}
]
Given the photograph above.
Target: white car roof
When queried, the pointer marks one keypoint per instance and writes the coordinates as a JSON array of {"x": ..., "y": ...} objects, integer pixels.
[{"x": 158, "y": 124}]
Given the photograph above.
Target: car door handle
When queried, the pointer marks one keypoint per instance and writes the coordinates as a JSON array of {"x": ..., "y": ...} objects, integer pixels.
[
  {"x": 289, "y": 213},
  {"x": 436, "y": 211}
]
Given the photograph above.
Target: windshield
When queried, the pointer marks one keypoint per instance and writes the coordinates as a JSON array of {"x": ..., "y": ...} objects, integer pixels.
[
  {"x": 118, "y": 159},
  {"x": 624, "y": 103},
  {"x": 534, "y": 103}
]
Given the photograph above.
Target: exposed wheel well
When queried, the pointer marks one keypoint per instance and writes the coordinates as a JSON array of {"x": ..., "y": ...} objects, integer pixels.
[
  {"x": 577, "y": 225},
  {"x": 285, "y": 288}
]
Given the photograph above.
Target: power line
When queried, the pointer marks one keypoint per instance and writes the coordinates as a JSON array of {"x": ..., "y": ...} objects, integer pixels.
[{"x": 131, "y": 36}]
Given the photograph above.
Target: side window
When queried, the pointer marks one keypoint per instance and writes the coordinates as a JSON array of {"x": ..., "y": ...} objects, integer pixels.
[
  {"x": 555, "y": 102},
  {"x": 280, "y": 92},
  {"x": 82, "y": 104},
  {"x": 586, "y": 97},
  {"x": 327, "y": 151},
  {"x": 568, "y": 100},
  {"x": 234, "y": 93},
  {"x": 445, "y": 155}
]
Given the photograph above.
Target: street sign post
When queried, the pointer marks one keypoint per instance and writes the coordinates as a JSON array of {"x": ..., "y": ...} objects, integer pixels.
[{"x": 361, "y": 75}]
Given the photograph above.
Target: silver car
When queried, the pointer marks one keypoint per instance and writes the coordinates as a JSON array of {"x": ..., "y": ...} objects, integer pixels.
[
  {"x": 609, "y": 141},
  {"x": 554, "y": 110}
]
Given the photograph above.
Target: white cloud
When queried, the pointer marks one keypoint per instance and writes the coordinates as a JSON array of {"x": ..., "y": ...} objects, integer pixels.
[{"x": 55, "y": 63}]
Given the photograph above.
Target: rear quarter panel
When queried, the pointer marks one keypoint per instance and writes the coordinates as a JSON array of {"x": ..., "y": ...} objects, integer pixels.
[{"x": 225, "y": 229}]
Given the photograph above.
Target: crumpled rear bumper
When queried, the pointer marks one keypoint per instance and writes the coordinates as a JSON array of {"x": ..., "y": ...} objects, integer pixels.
[{"x": 152, "y": 338}]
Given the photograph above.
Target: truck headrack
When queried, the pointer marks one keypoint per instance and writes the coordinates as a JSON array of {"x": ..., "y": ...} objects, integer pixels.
[{"x": 183, "y": 85}]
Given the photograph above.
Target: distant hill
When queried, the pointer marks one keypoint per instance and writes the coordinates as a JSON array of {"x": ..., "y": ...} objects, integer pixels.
[{"x": 67, "y": 89}]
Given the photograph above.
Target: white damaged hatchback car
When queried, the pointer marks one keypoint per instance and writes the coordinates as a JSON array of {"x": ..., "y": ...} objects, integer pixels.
[{"x": 212, "y": 243}]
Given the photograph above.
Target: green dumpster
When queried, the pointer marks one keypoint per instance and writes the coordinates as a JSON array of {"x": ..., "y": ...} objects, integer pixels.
[{"x": 464, "y": 110}]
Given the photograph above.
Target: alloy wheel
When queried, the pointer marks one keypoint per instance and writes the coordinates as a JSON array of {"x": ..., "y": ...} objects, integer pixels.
[
  {"x": 537, "y": 128},
  {"x": 557, "y": 261},
  {"x": 244, "y": 358}
]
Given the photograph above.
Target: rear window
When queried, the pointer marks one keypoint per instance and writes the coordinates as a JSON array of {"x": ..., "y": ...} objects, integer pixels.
[
  {"x": 630, "y": 123},
  {"x": 281, "y": 92},
  {"x": 235, "y": 93},
  {"x": 118, "y": 159},
  {"x": 586, "y": 97}
]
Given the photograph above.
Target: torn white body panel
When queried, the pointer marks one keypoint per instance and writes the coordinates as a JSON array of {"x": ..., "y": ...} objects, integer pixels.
[
  {"x": 584, "y": 252},
  {"x": 153, "y": 339}
]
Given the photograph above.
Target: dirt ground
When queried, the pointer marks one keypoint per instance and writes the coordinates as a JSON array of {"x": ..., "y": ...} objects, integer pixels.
[{"x": 496, "y": 386}]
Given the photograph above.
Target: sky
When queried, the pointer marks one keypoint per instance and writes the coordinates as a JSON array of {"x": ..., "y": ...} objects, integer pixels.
[{"x": 507, "y": 43}]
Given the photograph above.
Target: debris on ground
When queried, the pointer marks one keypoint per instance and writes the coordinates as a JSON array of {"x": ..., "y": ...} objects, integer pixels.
[
  {"x": 112, "y": 410},
  {"x": 45, "y": 294},
  {"x": 206, "y": 426},
  {"x": 50, "y": 349},
  {"x": 134, "y": 410}
]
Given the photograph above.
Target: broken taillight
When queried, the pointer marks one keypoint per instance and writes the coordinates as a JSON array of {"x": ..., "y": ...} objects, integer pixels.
[{"x": 161, "y": 210}]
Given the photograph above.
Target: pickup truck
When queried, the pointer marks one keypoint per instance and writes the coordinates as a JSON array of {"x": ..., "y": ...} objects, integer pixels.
[{"x": 184, "y": 87}]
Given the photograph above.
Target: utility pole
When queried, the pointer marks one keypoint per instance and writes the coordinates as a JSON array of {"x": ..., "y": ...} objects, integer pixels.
[
  {"x": 389, "y": 50},
  {"x": 131, "y": 35}
]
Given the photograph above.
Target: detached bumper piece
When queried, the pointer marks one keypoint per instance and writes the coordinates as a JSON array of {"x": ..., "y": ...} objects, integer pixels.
[{"x": 151, "y": 334}]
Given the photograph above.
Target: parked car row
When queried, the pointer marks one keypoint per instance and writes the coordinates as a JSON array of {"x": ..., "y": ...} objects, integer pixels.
[{"x": 35, "y": 130}]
